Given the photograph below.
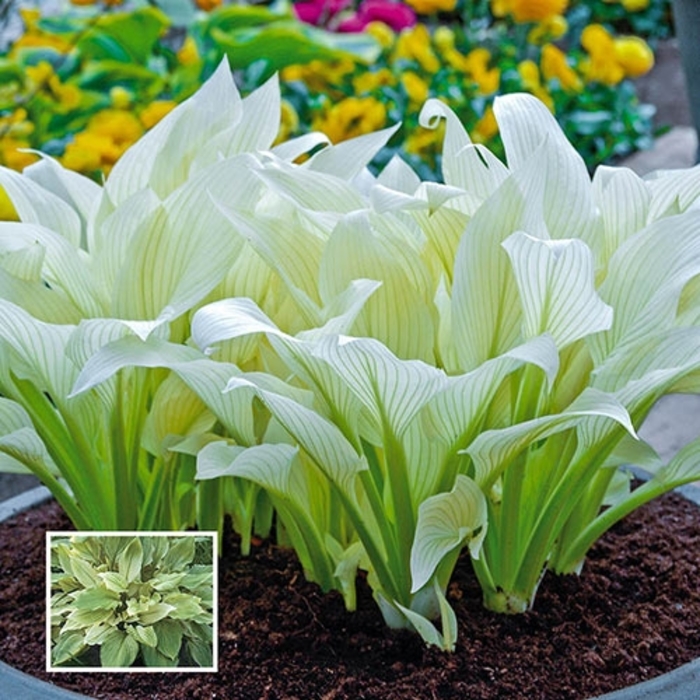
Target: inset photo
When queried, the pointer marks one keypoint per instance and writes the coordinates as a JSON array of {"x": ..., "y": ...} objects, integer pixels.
[{"x": 131, "y": 601}]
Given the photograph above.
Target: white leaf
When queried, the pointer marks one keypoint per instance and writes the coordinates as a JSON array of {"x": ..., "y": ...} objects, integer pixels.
[
  {"x": 556, "y": 285},
  {"x": 445, "y": 521}
]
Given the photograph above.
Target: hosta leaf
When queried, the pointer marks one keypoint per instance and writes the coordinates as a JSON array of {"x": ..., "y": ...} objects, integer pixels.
[
  {"x": 185, "y": 607},
  {"x": 400, "y": 313},
  {"x": 80, "y": 619},
  {"x": 530, "y": 132},
  {"x": 78, "y": 191},
  {"x": 201, "y": 652},
  {"x": 179, "y": 555},
  {"x": 143, "y": 635},
  {"x": 154, "y": 613},
  {"x": 119, "y": 650},
  {"x": 67, "y": 647},
  {"x": 84, "y": 572},
  {"x": 556, "y": 285},
  {"x": 114, "y": 581},
  {"x": 40, "y": 349},
  {"x": 393, "y": 390},
  {"x": 623, "y": 198},
  {"x": 453, "y": 411},
  {"x": 320, "y": 438},
  {"x": 494, "y": 450},
  {"x": 169, "y": 633},
  {"x": 96, "y": 598},
  {"x": 36, "y": 205},
  {"x": 348, "y": 158},
  {"x": 445, "y": 521},
  {"x": 267, "y": 465},
  {"x": 162, "y": 157},
  {"x": 153, "y": 658},
  {"x": 683, "y": 468},
  {"x": 645, "y": 278},
  {"x": 130, "y": 560}
]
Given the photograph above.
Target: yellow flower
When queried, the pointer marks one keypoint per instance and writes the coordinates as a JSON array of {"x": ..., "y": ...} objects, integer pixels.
[
  {"x": 529, "y": 10},
  {"x": 554, "y": 65},
  {"x": 635, "y": 5},
  {"x": 88, "y": 152},
  {"x": 414, "y": 45},
  {"x": 121, "y": 126},
  {"x": 428, "y": 7},
  {"x": 120, "y": 97},
  {"x": 289, "y": 122},
  {"x": 416, "y": 88},
  {"x": 444, "y": 39},
  {"x": 34, "y": 37},
  {"x": 152, "y": 114},
  {"x": 425, "y": 143},
  {"x": 530, "y": 76},
  {"x": 188, "y": 54},
  {"x": 549, "y": 30},
  {"x": 68, "y": 96},
  {"x": 351, "y": 117},
  {"x": 7, "y": 209},
  {"x": 13, "y": 157},
  {"x": 486, "y": 128},
  {"x": 602, "y": 66},
  {"x": 634, "y": 56},
  {"x": 16, "y": 125},
  {"x": 40, "y": 74},
  {"x": 476, "y": 64},
  {"x": 383, "y": 33},
  {"x": 82, "y": 3},
  {"x": 369, "y": 81}
]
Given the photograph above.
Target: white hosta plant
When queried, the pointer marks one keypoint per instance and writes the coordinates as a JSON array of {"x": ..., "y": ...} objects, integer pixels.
[
  {"x": 404, "y": 368},
  {"x": 91, "y": 267}
]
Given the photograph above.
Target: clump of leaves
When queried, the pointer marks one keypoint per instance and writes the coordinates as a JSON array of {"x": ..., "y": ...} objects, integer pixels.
[{"x": 121, "y": 601}]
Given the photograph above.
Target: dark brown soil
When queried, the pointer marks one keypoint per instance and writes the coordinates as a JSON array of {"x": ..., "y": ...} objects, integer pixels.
[{"x": 633, "y": 614}]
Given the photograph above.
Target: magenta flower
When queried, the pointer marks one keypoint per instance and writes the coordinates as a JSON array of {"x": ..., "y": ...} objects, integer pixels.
[
  {"x": 394, "y": 14},
  {"x": 318, "y": 12}
]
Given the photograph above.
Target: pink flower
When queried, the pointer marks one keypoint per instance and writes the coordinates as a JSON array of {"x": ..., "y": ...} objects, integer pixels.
[
  {"x": 394, "y": 14},
  {"x": 318, "y": 12}
]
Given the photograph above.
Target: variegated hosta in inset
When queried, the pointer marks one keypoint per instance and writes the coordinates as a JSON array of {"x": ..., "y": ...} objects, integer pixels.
[
  {"x": 119, "y": 601},
  {"x": 401, "y": 368}
]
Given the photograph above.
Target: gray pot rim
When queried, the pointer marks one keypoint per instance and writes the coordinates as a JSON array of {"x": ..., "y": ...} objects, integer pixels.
[{"x": 680, "y": 684}]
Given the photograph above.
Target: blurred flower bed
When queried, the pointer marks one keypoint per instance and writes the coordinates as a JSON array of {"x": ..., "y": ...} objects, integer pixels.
[{"x": 83, "y": 84}]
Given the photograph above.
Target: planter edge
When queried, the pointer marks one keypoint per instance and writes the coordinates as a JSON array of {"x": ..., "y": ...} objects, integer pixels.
[
  {"x": 680, "y": 684},
  {"x": 15, "y": 683}
]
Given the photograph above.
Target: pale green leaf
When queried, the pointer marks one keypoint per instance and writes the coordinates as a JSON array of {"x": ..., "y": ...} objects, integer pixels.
[
  {"x": 143, "y": 635},
  {"x": 445, "y": 521},
  {"x": 180, "y": 554},
  {"x": 130, "y": 560},
  {"x": 623, "y": 198},
  {"x": 454, "y": 412},
  {"x": 201, "y": 652},
  {"x": 556, "y": 284},
  {"x": 348, "y": 158},
  {"x": 320, "y": 438},
  {"x": 84, "y": 572},
  {"x": 169, "y": 633},
  {"x": 393, "y": 390},
  {"x": 68, "y": 647},
  {"x": 36, "y": 205},
  {"x": 645, "y": 279},
  {"x": 154, "y": 613},
  {"x": 119, "y": 650},
  {"x": 161, "y": 159},
  {"x": 592, "y": 413},
  {"x": 96, "y": 598},
  {"x": 78, "y": 191}
]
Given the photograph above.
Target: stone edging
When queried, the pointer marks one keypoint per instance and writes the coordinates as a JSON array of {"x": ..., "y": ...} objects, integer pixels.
[{"x": 679, "y": 684}]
